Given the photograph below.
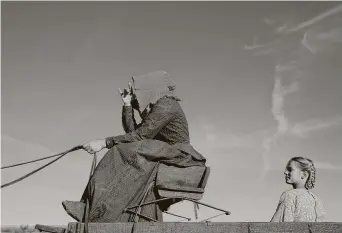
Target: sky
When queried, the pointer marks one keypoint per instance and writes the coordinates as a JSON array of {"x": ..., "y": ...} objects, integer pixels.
[{"x": 260, "y": 82}]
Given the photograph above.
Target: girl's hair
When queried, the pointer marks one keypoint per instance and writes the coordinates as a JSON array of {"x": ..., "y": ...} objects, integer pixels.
[{"x": 307, "y": 165}]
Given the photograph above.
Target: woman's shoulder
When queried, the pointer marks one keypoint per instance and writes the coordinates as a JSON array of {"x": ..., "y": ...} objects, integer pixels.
[
  {"x": 168, "y": 103},
  {"x": 168, "y": 99}
]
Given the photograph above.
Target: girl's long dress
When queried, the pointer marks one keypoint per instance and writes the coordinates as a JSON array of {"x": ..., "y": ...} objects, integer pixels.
[
  {"x": 123, "y": 175},
  {"x": 299, "y": 205}
]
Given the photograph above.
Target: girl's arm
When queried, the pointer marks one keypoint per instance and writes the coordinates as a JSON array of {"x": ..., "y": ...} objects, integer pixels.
[{"x": 285, "y": 209}]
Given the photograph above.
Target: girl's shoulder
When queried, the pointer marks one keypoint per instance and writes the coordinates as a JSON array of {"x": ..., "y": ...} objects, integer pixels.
[
  {"x": 299, "y": 194},
  {"x": 317, "y": 198},
  {"x": 292, "y": 194}
]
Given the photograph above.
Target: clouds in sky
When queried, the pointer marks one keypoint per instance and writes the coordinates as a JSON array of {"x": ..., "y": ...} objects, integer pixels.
[
  {"x": 304, "y": 129},
  {"x": 278, "y": 100},
  {"x": 284, "y": 126},
  {"x": 316, "y": 35},
  {"x": 311, "y": 22}
]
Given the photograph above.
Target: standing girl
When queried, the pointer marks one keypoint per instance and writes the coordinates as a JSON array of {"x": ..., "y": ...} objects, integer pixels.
[{"x": 299, "y": 204}]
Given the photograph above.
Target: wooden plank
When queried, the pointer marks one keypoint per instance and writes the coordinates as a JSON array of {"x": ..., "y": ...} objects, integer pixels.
[
  {"x": 283, "y": 227},
  {"x": 331, "y": 227},
  {"x": 100, "y": 227},
  {"x": 205, "y": 227}
]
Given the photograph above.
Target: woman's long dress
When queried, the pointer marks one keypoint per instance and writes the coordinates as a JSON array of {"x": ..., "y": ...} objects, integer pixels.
[{"x": 124, "y": 173}]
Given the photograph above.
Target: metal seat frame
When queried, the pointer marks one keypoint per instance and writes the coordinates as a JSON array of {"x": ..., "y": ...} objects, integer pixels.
[{"x": 168, "y": 193}]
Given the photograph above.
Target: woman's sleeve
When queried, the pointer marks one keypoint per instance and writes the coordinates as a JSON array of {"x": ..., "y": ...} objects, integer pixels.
[
  {"x": 285, "y": 209},
  {"x": 128, "y": 121},
  {"x": 161, "y": 114}
]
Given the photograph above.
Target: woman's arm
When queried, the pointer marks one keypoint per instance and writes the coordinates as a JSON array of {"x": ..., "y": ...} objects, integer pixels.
[
  {"x": 128, "y": 121},
  {"x": 161, "y": 114}
]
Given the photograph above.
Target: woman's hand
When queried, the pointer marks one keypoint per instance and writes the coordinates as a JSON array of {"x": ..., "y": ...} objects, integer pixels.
[
  {"x": 127, "y": 95},
  {"x": 94, "y": 146}
]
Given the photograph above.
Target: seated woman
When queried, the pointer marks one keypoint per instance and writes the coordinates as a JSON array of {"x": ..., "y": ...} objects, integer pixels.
[
  {"x": 123, "y": 175},
  {"x": 299, "y": 204}
]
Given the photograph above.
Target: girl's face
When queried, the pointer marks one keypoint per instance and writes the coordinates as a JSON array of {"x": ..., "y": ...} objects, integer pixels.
[{"x": 293, "y": 174}]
